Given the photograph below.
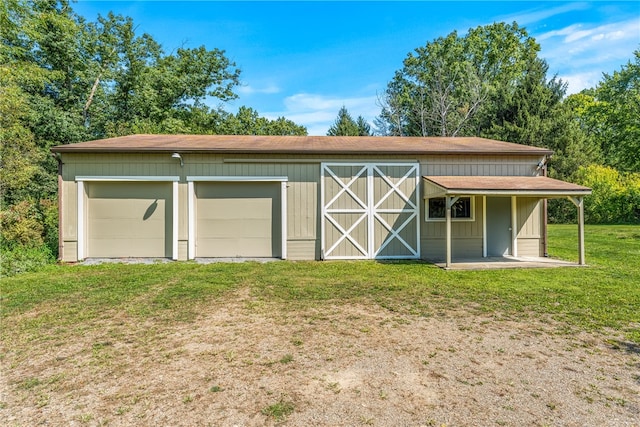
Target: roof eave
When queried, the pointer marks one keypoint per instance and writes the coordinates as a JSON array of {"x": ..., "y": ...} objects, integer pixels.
[
  {"x": 184, "y": 150},
  {"x": 524, "y": 193}
]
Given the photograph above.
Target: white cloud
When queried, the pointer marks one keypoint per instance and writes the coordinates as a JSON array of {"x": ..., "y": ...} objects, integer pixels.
[
  {"x": 579, "y": 81},
  {"x": 581, "y": 52},
  {"x": 249, "y": 90},
  {"x": 318, "y": 112},
  {"x": 536, "y": 15},
  {"x": 581, "y": 34}
]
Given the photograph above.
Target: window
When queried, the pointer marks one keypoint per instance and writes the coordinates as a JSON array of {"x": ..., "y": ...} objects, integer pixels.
[{"x": 462, "y": 209}]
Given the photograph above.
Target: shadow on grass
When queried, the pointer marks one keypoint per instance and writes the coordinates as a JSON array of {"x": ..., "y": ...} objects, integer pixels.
[{"x": 626, "y": 346}]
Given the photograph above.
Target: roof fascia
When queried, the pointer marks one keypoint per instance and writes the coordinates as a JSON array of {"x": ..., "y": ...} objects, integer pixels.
[{"x": 525, "y": 193}]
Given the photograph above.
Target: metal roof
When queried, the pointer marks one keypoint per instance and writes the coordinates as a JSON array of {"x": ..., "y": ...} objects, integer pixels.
[
  {"x": 253, "y": 144},
  {"x": 506, "y": 185}
]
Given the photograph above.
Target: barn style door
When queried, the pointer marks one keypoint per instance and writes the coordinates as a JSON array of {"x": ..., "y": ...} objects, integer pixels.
[{"x": 370, "y": 210}]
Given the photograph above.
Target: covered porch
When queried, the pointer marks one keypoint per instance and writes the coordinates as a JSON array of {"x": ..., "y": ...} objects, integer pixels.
[{"x": 507, "y": 189}]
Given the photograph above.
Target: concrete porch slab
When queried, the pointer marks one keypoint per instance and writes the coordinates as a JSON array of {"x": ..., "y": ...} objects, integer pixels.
[{"x": 496, "y": 263}]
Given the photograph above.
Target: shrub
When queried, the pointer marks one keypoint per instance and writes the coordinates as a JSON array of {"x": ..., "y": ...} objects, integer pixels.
[
  {"x": 615, "y": 198},
  {"x": 28, "y": 236},
  {"x": 20, "y": 225},
  {"x": 21, "y": 259}
]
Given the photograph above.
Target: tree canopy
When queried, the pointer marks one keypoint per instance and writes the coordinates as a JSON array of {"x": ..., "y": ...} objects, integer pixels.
[
  {"x": 344, "y": 125},
  {"x": 64, "y": 79},
  {"x": 610, "y": 114}
]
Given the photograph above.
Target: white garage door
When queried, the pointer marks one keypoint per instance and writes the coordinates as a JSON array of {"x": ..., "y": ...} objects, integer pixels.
[
  {"x": 238, "y": 219},
  {"x": 129, "y": 219}
]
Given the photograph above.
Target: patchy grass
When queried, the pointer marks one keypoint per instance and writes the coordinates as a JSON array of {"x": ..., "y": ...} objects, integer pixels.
[
  {"x": 66, "y": 299},
  {"x": 279, "y": 410}
]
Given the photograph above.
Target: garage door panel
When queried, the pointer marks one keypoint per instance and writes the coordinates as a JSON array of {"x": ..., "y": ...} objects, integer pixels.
[
  {"x": 126, "y": 228},
  {"x": 137, "y": 210},
  {"x": 238, "y": 219},
  {"x": 129, "y": 219},
  {"x": 111, "y": 248},
  {"x": 232, "y": 228}
]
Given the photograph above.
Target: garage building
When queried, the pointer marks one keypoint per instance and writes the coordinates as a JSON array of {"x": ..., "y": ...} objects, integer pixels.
[{"x": 305, "y": 197}]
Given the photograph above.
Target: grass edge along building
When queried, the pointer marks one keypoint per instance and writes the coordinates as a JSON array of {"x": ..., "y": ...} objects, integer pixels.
[{"x": 306, "y": 197}]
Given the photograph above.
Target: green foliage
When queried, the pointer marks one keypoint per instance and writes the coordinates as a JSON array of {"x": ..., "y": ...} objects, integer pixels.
[
  {"x": 346, "y": 126},
  {"x": 491, "y": 83},
  {"x": 21, "y": 259},
  {"x": 247, "y": 122},
  {"x": 279, "y": 411},
  {"x": 610, "y": 114},
  {"x": 21, "y": 225},
  {"x": 615, "y": 198},
  {"x": 456, "y": 85},
  {"x": 28, "y": 236}
]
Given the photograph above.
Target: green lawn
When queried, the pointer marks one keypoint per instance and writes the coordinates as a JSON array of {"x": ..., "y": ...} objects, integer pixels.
[{"x": 605, "y": 295}]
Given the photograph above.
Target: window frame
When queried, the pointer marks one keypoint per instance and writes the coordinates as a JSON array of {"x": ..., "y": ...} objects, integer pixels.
[{"x": 472, "y": 210}]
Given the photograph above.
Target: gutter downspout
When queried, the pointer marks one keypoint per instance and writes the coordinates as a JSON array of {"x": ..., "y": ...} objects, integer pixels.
[{"x": 60, "y": 241}]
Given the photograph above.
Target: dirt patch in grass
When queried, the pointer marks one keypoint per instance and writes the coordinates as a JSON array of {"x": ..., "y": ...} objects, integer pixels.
[{"x": 246, "y": 362}]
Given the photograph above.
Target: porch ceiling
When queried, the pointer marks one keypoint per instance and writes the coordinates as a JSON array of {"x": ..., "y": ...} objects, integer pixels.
[{"x": 536, "y": 186}]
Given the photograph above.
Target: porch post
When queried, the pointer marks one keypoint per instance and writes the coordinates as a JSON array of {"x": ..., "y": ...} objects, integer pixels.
[
  {"x": 283, "y": 218},
  {"x": 191, "y": 207},
  {"x": 514, "y": 227},
  {"x": 581, "y": 231},
  {"x": 484, "y": 226},
  {"x": 579, "y": 202},
  {"x": 448, "y": 204},
  {"x": 80, "y": 213}
]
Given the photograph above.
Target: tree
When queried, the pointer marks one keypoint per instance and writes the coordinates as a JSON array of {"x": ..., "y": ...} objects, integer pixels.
[
  {"x": 534, "y": 113},
  {"x": 488, "y": 83},
  {"x": 247, "y": 121},
  {"x": 346, "y": 126},
  {"x": 364, "y": 129},
  {"x": 610, "y": 114},
  {"x": 64, "y": 80},
  {"x": 450, "y": 87}
]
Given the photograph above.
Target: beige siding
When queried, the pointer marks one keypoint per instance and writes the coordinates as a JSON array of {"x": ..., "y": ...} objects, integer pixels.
[
  {"x": 529, "y": 226},
  {"x": 479, "y": 165},
  {"x": 529, "y": 247},
  {"x": 466, "y": 236},
  {"x": 70, "y": 212},
  {"x": 183, "y": 250},
  {"x": 302, "y": 191},
  {"x": 431, "y": 190},
  {"x": 437, "y": 229},
  {"x": 529, "y": 217},
  {"x": 301, "y": 249},
  {"x": 69, "y": 251},
  {"x": 461, "y": 247}
]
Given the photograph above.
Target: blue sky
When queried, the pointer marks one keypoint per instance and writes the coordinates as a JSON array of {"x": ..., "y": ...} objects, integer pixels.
[{"x": 305, "y": 60}]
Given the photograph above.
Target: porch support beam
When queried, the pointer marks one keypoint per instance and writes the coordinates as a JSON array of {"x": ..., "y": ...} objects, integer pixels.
[
  {"x": 579, "y": 202},
  {"x": 484, "y": 226},
  {"x": 449, "y": 202},
  {"x": 514, "y": 227}
]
